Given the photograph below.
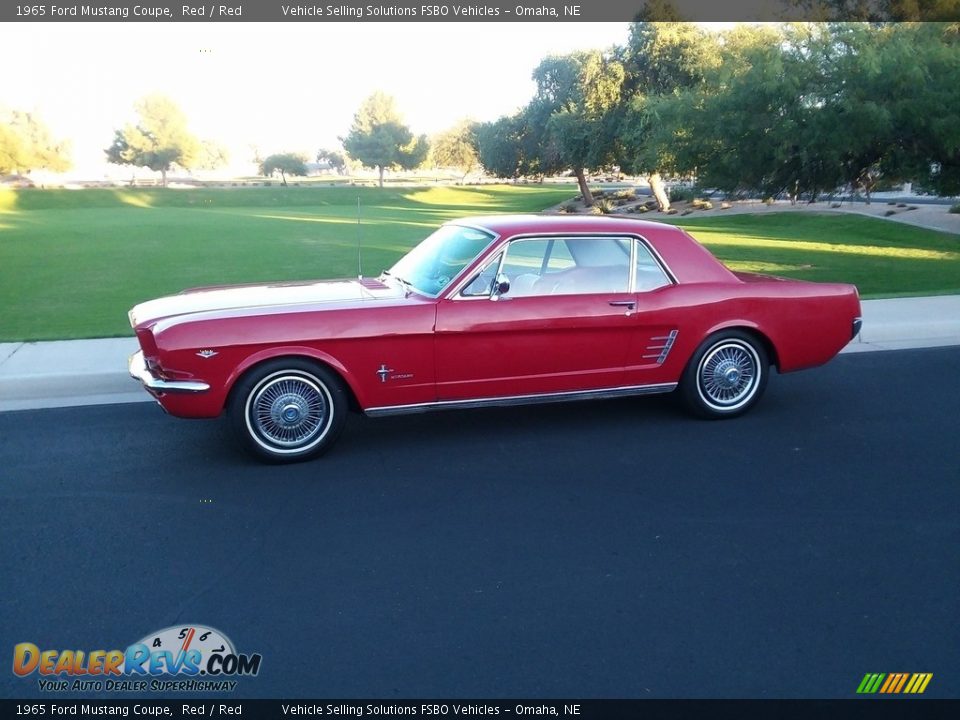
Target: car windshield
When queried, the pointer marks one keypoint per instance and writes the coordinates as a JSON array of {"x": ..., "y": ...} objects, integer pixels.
[{"x": 432, "y": 264}]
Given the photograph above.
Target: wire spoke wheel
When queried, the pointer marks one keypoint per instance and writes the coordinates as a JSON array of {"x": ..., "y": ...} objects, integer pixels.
[
  {"x": 289, "y": 412},
  {"x": 726, "y": 375}
]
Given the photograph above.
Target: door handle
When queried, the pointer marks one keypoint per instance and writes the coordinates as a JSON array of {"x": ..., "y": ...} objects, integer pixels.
[{"x": 624, "y": 303}]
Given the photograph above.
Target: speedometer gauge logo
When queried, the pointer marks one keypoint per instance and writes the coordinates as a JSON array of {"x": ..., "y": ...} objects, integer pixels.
[{"x": 191, "y": 650}]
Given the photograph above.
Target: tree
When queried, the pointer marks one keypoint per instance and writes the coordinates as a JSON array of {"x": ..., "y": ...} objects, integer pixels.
[
  {"x": 575, "y": 94},
  {"x": 158, "y": 141},
  {"x": 283, "y": 163},
  {"x": 515, "y": 145},
  {"x": 500, "y": 147},
  {"x": 26, "y": 145},
  {"x": 661, "y": 60},
  {"x": 334, "y": 158},
  {"x": 456, "y": 148},
  {"x": 379, "y": 139},
  {"x": 212, "y": 155}
]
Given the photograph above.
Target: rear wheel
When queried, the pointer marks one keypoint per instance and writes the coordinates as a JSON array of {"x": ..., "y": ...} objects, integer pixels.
[
  {"x": 288, "y": 409},
  {"x": 726, "y": 375}
]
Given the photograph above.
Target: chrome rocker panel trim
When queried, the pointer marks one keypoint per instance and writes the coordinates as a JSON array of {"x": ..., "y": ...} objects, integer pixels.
[
  {"x": 535, "y": 399},
  {"x": 137, "y": 367}
]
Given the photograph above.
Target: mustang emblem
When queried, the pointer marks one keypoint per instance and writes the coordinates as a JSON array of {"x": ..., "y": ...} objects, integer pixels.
[
  {"x": 207, "y": 353},
  {"x": 384, "y": 372}
]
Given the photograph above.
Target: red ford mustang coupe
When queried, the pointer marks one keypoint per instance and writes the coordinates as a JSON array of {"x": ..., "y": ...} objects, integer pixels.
[{"x": 487, "y": 311}]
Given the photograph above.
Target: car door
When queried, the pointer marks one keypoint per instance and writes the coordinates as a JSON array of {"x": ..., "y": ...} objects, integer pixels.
[
  {"x": 657, "y": 321},
  {"x": 563, "y": 325}
]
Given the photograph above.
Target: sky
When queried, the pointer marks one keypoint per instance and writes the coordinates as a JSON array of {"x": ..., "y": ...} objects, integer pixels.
[{"x": 277, "y": 86}]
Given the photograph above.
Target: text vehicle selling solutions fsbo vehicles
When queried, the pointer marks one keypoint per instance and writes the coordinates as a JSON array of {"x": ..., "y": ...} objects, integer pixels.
[{"x": 487, "y": 311}]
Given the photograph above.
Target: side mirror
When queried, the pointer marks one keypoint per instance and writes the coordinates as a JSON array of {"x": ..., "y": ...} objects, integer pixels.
[{"x": 501, "y": 286}]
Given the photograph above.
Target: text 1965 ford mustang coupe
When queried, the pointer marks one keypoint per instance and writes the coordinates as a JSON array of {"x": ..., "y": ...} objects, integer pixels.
[{"x": 487, "y": 311}]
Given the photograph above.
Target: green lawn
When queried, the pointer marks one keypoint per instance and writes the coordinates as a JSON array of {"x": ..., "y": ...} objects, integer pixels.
[
  {"x": 73, "y": 262},
  {"x": 882, "y": 258}
]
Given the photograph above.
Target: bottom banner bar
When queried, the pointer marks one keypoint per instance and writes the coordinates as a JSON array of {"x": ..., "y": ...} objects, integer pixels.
[{"x": 874, "y": 708}]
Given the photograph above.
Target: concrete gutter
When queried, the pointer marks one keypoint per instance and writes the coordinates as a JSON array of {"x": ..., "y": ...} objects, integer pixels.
[
  {"x": 904, "y": 323},
  {"x": 66, "y": 373}
]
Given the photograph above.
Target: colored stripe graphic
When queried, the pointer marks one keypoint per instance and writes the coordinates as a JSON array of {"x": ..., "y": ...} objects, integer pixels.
[
  {"x": 894, "y": 683},
  {"x": 870, "y": 683}
]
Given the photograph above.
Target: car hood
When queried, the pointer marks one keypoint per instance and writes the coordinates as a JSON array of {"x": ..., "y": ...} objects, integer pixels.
[{"x": 244, "y": 297}]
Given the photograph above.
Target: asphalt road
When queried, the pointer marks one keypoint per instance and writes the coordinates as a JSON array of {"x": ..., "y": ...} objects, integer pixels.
[{"x": 607, "y": 549}]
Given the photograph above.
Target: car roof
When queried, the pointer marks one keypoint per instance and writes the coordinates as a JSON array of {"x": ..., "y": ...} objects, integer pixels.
[
  {"x": 687, "y": 259},
  {"x": 507, "y": 225}
]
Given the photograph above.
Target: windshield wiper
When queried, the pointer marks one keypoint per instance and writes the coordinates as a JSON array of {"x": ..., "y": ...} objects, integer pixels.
[{"x": 406, "y": 283}]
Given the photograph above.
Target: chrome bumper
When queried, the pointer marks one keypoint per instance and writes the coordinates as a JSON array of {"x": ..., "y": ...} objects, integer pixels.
[{"x": 139, "y": 371}]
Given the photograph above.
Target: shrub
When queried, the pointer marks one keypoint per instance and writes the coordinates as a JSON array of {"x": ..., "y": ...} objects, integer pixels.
[
  {"x": 955, "y": 209},
  {"x": 768, "y": 201},
  {"x": 681, "y": 194},
  {"x": 604, "y": 207},
  {"x": 725, "y": 206},
  {"x": 625, "y": 194},
  {"x": 888, "y": 213},
  {"x": 569, "y": 207}
]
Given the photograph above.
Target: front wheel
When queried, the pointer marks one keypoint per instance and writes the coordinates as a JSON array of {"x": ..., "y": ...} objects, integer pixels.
[
  {"x": 288, "y": 410},
  {"x": 726, "y": 375}
]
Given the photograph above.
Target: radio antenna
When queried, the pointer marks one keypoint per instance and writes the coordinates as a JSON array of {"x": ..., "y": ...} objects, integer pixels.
[{"x": 359, "y": 265}]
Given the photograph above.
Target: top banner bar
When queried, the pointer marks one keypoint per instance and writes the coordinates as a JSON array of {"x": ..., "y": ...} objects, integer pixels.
[{"x": 484, "y": 11}]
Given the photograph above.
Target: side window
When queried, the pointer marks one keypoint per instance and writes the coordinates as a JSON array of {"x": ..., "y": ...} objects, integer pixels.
[
  {"x": 567, "y": 266},
  {"x": 482, "y": 284},
  {"x": 524, "y": 264},
  {"x": 602, "y": 265},
  {"x": 648, "y": 275}
]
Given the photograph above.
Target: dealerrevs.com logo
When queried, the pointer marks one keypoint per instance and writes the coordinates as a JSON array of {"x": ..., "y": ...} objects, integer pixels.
[{"x": 178, "y": 658}]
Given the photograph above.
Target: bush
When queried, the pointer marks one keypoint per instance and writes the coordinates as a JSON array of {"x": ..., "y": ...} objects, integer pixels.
[
  {"x": 955, "y": 209},
  {"x": 768, "y": 201},
  {"x": 603, "y": 207},
  {"x": 888, "y": 213},
  {"x": 569, "y": 207},
  {"x": 681, "y": 194},
  {"x": 625, "y": 195}
]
